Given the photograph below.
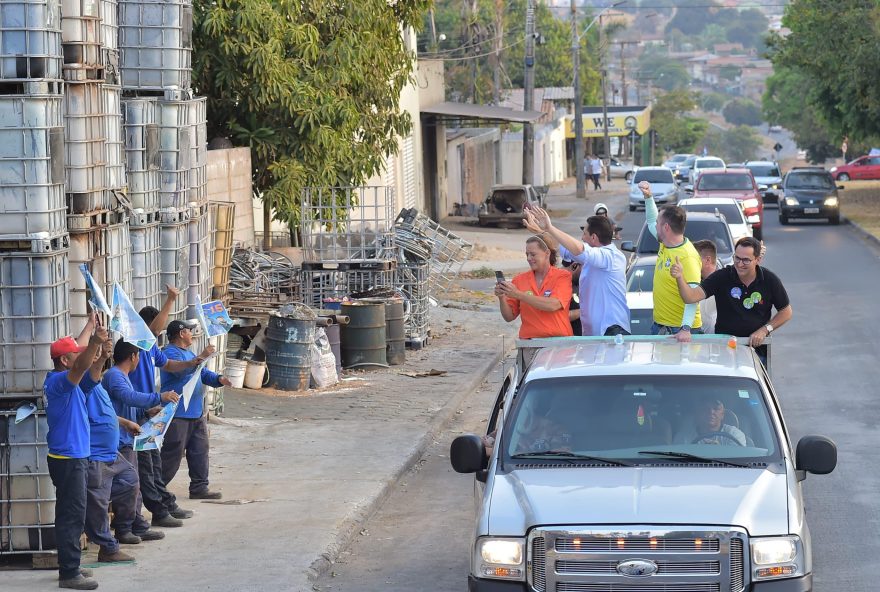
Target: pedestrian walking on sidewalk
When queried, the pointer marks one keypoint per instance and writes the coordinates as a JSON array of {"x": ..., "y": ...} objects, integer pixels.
[
  {"x": 111, "y": 478},
  {"x": 188, "y": 432},
  {"x": 602, "y": 282},
  {"x": 539, "y": 297},
  {"x": 68, "y": 449},
  {"x": 596, "y": 168},
  {"x": 155, "y": 495},
  {"x": 131, "y": 528}
]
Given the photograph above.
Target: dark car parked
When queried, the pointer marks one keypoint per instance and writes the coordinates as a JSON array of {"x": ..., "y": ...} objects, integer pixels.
[{"x": 809, "y": 192}]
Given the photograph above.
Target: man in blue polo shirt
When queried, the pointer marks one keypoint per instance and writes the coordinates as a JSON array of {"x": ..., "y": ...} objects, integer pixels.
[
  {"x": 68, "y": 444},
  {"x": 130, "y": 528},
  {"x": 106, "y": 467},
  {"x": 156, "y": 498},
  {"x": 188, "y": 433}
]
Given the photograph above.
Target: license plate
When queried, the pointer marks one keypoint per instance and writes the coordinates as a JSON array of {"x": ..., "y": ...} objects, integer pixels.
[{"x": 811, "y": 210}]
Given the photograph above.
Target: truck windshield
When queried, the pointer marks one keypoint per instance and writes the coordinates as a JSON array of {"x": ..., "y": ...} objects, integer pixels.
[
  {"x": 618, "y": 417},
  {"x": 725, "y": 182}
]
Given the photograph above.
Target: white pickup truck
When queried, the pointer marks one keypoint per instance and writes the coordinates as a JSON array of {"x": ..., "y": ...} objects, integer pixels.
[{"x": 643, "y": 465}]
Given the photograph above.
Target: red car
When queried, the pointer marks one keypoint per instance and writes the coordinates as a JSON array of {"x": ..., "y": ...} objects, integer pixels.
[
  {"x": 738, "y": 184},
  {"x": 864, "y": 167}
]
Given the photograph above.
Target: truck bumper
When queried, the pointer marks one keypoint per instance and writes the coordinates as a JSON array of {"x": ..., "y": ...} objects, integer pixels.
[
  {"x": 804, "y": 584},
  {"x": 481, "y": 585}
]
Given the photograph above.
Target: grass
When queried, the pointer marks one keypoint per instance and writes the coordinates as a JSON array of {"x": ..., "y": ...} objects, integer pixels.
[
  {"x": 860, "y": 202},
  {"x": 480, "y": 273}
]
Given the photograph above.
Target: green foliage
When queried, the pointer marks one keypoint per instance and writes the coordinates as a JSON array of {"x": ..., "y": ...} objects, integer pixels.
[
  {"x": 311, "y": 86},
  {"x": 662, "y": 71},
  {"x": 677, "y": 132},
  {"x": 468, "y": 50},
  {"x": 735, "y": 145},
  {"x": 712, "y": 101},
  {"x": 742, "y": 112},
  {"x": 706, "y": 23},
  {"x": 730, "y": 72},
  {"x": 835, "y": 48},
  {"x": 801, "y": 118}
]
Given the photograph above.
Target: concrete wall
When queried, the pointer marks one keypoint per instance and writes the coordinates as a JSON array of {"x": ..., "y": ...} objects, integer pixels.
[
  {"x": 470, "y": 167},
  {"x": 229, "y": 180},
  {"x": 549, "y": 155}
]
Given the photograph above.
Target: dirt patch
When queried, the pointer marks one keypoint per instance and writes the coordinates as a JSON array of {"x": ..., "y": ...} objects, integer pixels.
[
  {"x": 491, "y": 253},
  {"x": 860, "y": 202}
]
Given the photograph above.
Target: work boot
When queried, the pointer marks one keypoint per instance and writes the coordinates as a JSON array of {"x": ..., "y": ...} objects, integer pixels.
[
  {"x": 128, "y": 538},
  {"x": 167, "y": 522},
  {"x": 117, "y": 557},
  {"x": 207, "y": 494},
  {"x": 80, "y": 582},
  {"x": 180, "y": 513},
  {"x": 84, "y": 572},
  {"x": 152, "y": 535}
]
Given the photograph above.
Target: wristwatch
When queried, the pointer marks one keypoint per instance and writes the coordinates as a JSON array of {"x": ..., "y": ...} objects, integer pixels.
[
  {"x": 686, "y": 328},
  {"x": 769, "y": 328}
]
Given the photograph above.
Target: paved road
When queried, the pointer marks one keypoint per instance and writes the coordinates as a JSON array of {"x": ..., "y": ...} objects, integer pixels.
[{"x": 826, "y": 373}]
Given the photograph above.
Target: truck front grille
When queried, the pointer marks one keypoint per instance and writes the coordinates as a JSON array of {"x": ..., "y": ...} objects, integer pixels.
[{"x": 578, "y": 559}]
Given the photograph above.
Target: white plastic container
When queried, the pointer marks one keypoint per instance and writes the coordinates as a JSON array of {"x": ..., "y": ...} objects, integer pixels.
[
  {"x": 114, "y": 147},
  {"x": 146, "y": 266},
  {"x": 254, "y": 374},
  {"x": 30, "y": 39},
  {"x": 84, "y": 128},
  {"x": 155, "y": 42},
  {"x": 235, "y": 371},
  {"x": 174, "y": 259},
  {"x": 141, "y": 137}
]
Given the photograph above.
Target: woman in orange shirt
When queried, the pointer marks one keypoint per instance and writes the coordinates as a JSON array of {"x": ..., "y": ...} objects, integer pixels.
[{"x": 540, "y": 296}]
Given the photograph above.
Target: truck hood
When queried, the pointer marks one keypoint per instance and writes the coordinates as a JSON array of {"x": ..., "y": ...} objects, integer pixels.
[
  {"x": 754, "y": 499},
  {"x": 738, "y": 194}
]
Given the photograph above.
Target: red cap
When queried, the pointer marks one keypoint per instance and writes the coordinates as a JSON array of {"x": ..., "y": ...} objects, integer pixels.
[{"x": 65, "y": 345}]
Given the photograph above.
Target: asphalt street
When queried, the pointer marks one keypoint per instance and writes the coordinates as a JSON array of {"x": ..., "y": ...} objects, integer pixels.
[{"x": 825, "y": 373}]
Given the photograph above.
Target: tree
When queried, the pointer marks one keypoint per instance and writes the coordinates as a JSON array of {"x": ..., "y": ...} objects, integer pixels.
[
  {"x": 311, "y": 87},
  {"x": 730, "y": 72},
  {"x": 742, "y": 112},
  {"x": 669, "y": 119},
  {"x": 735, "y": 145},
  {"x": 836, "y": 50},
  {"x": 712, "y": 101}
]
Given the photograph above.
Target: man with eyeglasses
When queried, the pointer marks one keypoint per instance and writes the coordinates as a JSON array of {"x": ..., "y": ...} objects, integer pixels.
[{"x": 745, "y": 296}]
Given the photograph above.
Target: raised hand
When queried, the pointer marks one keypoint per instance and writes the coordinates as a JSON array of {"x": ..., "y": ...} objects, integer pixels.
[
  {"x": 645, "y": 187},
  {"x": 100, "y": 335},
  {"x": 207, "y": 352},
  {"x": 531, "y": 222},
  {"x": 173, "y": 292}
]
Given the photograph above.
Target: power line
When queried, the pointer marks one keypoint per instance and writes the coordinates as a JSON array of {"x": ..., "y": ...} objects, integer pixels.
[{"x": 472, "y": 57}]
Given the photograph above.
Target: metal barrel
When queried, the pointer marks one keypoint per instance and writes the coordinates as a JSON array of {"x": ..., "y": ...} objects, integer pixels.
[
  {"x": 363, "y": 338},
  {"x": 288, "y": 357},
  {"x": 395, "y": 329}
]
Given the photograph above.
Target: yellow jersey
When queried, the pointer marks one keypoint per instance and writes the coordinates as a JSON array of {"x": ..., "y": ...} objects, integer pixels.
[{"x": 668, "y": 305}]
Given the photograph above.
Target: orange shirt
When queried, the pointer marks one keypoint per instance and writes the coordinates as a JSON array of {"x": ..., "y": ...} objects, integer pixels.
[{"x": 540, "y": 323}]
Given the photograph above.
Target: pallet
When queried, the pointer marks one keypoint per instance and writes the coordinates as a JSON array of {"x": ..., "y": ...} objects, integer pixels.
[
  {"x": 417, "y": 343},
  {"x": 35, "y": 244},
  {"x": 141, "y": 218},
  {"x": 77, "y": 73},
  {"x": 31, "y": 87},
  {"x": 174, "y": 215},
  {"x": 197, "y": 210}
]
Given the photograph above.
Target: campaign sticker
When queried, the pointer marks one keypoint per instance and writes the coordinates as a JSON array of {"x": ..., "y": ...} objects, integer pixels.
[
  {"x": 744, "y": 394},
  {"x": 748, "y": 303},
  {"x": 736, "y": 292},
  {"x": 547, "y": 292}
]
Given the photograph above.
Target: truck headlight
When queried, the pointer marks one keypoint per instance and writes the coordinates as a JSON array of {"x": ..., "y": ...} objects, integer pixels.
[
  {"x": 831, "y": 202},
  {"x": 791, "y": 201},
  {"x": 750, "y": 203},
  {"x": 833, "y": 169},
  {"x": 501, "y": 558},
  {"x": 777, "y": 557}
]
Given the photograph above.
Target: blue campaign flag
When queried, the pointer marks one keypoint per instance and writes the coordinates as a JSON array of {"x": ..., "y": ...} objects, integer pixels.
[
  {"x": 213, "y": 316},
  {"x": 127, "y": 322},
  {"x": 97, "y": 300}
]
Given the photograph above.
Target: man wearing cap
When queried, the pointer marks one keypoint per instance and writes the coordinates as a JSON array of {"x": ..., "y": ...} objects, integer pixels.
[
  {"x": 131, "y": 528},
  {"x": 602, "y": 282},
  {"x": 188, "y": 433},
  {"x": 68, "y": 448},
  {"x": 602, "y": 210},
  {"x": 155, "y": 495}
]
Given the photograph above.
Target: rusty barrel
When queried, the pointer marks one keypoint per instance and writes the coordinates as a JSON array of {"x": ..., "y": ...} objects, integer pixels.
[
  {"x": 363, "y": 338},
  {"x": 288, "y": 357}
]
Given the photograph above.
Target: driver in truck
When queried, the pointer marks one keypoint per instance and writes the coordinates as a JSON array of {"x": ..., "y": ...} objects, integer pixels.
[{"x": 708, "y": 427}]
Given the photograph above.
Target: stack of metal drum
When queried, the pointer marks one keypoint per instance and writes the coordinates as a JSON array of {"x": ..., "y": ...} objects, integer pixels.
[{"x": 34, "y": 260}]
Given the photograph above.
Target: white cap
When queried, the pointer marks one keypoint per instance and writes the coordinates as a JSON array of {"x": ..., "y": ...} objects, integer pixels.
[{"x": 600, "y": 206}]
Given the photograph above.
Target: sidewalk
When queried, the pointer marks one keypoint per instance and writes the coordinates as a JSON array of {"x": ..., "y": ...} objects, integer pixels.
[
  {"x": 503, "y": 249},
  {"x": 301, "y": 474}
]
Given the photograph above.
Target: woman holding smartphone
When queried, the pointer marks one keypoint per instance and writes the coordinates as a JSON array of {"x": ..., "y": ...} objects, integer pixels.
[{"x": 539, "y": 297}]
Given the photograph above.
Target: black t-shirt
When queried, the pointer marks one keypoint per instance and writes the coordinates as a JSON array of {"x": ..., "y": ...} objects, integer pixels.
[{"x": 743, "y": 310}]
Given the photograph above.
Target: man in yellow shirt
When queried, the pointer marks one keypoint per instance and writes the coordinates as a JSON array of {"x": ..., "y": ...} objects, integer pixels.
[{"x": 671, "y": 315}]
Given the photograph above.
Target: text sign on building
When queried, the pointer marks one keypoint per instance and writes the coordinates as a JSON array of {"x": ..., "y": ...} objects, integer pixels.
[{"x": 620, "y": 123}]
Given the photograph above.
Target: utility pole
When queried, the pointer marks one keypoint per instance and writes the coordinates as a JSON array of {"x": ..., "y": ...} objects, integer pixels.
[
  {"x": 602, "y": 49},
  {"x": 499, "y": 34},
  {"x": 578, "y": 107},
  {"x": 528, "y": 168}
]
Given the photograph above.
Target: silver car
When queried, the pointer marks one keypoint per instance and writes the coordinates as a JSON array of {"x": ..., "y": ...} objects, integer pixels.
[
  {"x": 768, "y": 178},
  {"x": 645, "y": 464},
  {"x": 662, "y": 183}
]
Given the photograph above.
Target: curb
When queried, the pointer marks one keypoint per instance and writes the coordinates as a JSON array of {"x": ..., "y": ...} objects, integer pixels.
[
  {"x": 862, "y": 232},
  {"x": 441, "y": 419}
]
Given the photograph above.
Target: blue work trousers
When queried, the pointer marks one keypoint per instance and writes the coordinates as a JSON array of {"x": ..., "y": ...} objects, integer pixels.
[
  {"x": 69, "y": 478},
  {"x": 109, "y": 481}
]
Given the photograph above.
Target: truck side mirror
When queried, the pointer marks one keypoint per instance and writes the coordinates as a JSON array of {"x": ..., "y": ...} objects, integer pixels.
[
  {"x": 816, "y": 454},
  {"x": 467, "y": 454},
  {"x": 627, "y": 246}
]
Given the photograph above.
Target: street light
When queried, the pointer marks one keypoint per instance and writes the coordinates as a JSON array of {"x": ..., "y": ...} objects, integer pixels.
[{"x": 578, "y": 99}]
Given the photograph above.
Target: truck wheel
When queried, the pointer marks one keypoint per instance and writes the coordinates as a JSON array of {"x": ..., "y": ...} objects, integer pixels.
[
  {"x": 843, "y": 177},
  {"x": 835, "y": 220},
  {"x": 632, "y": 208},
  {"x": 758, "y": 233},
  {"x": 783, "y": 219},
  {"x": 628, "y": 177}
]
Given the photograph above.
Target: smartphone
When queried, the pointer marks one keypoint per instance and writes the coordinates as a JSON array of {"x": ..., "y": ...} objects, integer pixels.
[{"x": 499, "y": 277}]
